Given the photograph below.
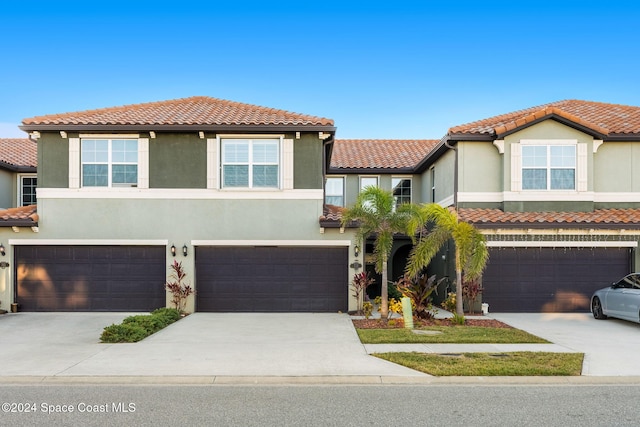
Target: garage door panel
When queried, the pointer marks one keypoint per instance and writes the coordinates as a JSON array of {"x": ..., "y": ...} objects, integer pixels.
[
  {"x": 271, "y": 279},
  {"x": 90, "y": 278},
  {"x": 549, "y": 279}
]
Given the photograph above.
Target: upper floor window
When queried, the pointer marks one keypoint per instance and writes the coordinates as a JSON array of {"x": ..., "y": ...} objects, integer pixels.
[
  {"x": 401, "y": 190},
  {"x": 368, "y": 181},
  {"x": 109, "y": 162},
  {"x": 334, "y": 191},
  {"x": 27, "y": 190},
  {"x": 548, "y": 167},
  {"x": 250, "y": 163},
  {"x": 432, "y": 177}
]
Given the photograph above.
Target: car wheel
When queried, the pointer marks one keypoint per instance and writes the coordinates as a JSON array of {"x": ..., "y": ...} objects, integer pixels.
[{"x": 596, "y": 309}]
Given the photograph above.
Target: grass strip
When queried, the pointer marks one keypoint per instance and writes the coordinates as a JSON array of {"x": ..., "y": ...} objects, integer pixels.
[
  {"x": 490, "y": 364},
  {"x": 449, "y": 335}
]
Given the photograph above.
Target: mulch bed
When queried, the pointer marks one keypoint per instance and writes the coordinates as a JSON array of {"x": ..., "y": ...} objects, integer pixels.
[{"x": 399, "y": 323}]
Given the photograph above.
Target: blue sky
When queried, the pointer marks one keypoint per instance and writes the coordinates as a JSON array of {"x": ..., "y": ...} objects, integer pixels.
[{"x": 404, "y": 69}]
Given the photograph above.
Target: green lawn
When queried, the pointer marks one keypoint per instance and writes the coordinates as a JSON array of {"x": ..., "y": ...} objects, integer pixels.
[
  {"x": 486, "y": 364},
  {"x": 450, "y": 335}
]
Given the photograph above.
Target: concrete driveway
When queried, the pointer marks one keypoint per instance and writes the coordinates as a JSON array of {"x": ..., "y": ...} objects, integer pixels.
[
  {"x": 611, "y": 347},
  {"x": 202, "y": 344}
]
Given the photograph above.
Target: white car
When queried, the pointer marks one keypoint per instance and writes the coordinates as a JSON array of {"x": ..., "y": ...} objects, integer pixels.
[{"x": 620, "y": 300}]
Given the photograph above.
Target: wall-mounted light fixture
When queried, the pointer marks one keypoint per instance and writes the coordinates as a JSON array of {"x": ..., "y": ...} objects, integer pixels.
[
  {"x": 184, "y": 250},
  {"x": 356, "y": 250},
  {"x": 173, "y": 250},
  {"x": 2, "y": 250}
]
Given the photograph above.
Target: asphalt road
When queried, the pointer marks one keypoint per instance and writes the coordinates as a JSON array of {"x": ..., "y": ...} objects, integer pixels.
[{"x": 424, "y": 405}]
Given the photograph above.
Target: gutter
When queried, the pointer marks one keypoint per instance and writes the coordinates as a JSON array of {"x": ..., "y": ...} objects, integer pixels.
[
  {"x": 455, "y": 172},
  {"x": 182, "y": 128}
]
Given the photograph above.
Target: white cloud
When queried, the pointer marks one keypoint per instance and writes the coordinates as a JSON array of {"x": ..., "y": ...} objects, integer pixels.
[{"x": 11, "y": 130}]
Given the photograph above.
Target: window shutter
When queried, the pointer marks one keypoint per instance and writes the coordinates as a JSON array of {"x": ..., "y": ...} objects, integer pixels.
[
  {"x": 74, "y": 162},
  {"x": 287, "y": 166},
  {"x": 516, "y": 167},
  {"x": 581, "y": 167},
  {"x": 143, "y": 162},
  {"x": 212, "y": 163}
]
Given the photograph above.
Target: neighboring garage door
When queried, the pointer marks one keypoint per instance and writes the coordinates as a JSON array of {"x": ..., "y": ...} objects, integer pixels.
[
  {"x": 90, "y": 278},
  {"x": 271, "y": 279},
  {"x": 548, "y": 279}
]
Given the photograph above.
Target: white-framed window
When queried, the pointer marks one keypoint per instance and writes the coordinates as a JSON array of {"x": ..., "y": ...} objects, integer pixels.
[
  {"x": 401, "y": 187},
  {"x": 368, "y": 181},
  {"x": 334, "y": 191},
  {"x": 250, "y": 163},
  {"x": 548, "y": 167},
  {"x": 27, "y": 184},
  {"x": 109, "y": 162}
]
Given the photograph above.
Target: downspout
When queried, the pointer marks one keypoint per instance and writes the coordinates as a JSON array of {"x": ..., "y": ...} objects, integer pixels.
[
  {"x": 455, "y": 171},
  {"x": 325, "y": 165}
]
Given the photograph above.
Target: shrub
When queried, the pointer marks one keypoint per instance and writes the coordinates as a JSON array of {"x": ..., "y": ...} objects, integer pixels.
[
  {"x": 170, "y": 314},
  {"x": 470, "y": 291},
  {"x": 450, "y": 303},
  {"x": 367, "y": 308},
  {"x": 124, "y": 332},
  {"x": 360, "y": 283},
  {"x": 138, "y": 327},
  {"x": 457, "y": 319},
  {"x": 419, "y": 291}
]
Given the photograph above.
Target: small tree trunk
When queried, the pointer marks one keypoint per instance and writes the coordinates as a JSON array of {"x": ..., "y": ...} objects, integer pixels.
[
  {"x": 384, "y": 305},
  {"x": 459, "y": 310}
]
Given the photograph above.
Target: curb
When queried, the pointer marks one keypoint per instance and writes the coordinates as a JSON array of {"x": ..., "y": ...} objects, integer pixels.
[{"x": 314, "y": 380}]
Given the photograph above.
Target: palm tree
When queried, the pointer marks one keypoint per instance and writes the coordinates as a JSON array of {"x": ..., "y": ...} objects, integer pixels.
[
  {"x": 471, "y": 249},
  {"x": 376, "y": 215}
]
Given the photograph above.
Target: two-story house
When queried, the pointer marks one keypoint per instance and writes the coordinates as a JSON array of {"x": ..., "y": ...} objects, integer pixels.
[
  {"x": 232, "y": 191},
  {"x": 248, "y": 199},
  {"x": 554, "y": 188}
]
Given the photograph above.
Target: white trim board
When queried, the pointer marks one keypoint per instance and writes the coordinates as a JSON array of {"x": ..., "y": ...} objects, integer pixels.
[
  {"x": 561, "y": 244},
  {"x": 178, "y": 194},
  {"x": 88, "y": 242},
  {"x": 551, "y": 195},
  {"x": 271, "y": 243}
]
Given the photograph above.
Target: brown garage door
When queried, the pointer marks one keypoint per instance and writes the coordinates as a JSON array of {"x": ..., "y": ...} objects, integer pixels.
[
  {"x": 90, "y": 278},
  {"x": 548, "y": 279},
  {"x": 271, "y": 279}
]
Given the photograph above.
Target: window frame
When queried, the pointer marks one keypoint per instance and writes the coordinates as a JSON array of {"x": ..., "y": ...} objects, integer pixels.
[
  {"x": 361, "y": 177},
  {"x": 21, "y": 186},
  {"x": 251, "y": 139},
  {"x": 342, "y": 195},
  {"x": 393, "y": 187},
  {"x": 548, "y": 167},
  {"x": 110, "y": 162}
]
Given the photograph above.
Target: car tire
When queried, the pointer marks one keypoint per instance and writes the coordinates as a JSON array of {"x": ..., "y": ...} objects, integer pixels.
[{"x": 596, "y": 309}]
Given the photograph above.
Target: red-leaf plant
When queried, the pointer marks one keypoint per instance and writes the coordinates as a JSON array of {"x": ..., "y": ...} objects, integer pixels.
[
  {"x": 360, "y": 282},
  {"x": 179, "y": 291}
]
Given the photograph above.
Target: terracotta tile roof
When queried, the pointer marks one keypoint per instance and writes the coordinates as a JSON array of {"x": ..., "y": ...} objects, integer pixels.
[
  {"x": 25, "y": 215},
  {"x": 19, "y": 152},
  {"x": 380, "y": 153},
  {"x": 331, "y": 213},
  {"x": 604, "y": 118},
  {"x": 197, "y": 110},
  {"x": 618, "y": 217}
]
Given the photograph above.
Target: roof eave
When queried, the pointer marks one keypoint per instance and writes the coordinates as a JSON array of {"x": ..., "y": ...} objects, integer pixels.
[
  {"x": 18, "y": 168},
  {"x": 172, "y": 128},
  {"x": 18, "y": 223},
  {"x": 558, "y": 225},
  {"x": 570, "y": 123},
  {"x": 370, "y": 171}
]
